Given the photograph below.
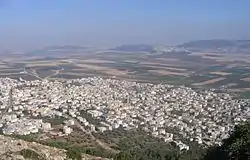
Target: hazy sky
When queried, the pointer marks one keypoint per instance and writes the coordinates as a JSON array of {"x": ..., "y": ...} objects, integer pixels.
[{"x": 35, "y": 23}]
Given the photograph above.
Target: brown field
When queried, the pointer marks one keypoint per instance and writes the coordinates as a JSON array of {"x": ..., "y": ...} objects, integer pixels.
[
  {"x": 8, "y": 74},
  {"x": 130, "y": 61},
  {"x": 247, "y": 79},
  {"x": 96, "y": 61},
  {"x": 41, "y": 65},
  {"x": 44, "y": 62},
  {"x": 165, "y": 72},
  {"x": 157, "y": 65},
  {"x": 140, "y": 66},
  {"x": 92, "y": 67},
  {"x": 220, "y": 73},
  {"x": 115, "y": 72},
  {"x": 211, "y": 81},
  {"x": 79, "y": 69},
  {"x": 10, "y": 70},
  {"x": 176, "y": 69},
  {"x": 167, "y": 68},
  {"x": 171, "y": 64},
  {"x": 72, "y": 73},
  {"x": 200, "y": 54},
  {"x": 38, "y": 61},
  {"x": 167, "y": 59},
  {"x": 222, "y": 57},
  {"x": 106, "y": 70},
  {"x": 3, "y": 66}
]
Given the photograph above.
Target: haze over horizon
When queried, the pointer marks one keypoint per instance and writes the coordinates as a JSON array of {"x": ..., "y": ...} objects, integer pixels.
[{"x": 29, "y": 24}]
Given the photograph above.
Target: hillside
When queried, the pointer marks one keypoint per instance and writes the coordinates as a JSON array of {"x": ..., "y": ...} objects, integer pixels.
[{"x": 13, "y": 149}]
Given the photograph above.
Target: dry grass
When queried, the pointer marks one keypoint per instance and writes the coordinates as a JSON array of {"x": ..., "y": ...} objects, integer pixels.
[
  {"x": 211, "y": 81},
  {"x": 165, "y": 72},
  {"x": 220, "y": 73}
]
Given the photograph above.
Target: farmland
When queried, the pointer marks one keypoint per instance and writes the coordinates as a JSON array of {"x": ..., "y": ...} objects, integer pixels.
[{"x": 195, "y": 69}]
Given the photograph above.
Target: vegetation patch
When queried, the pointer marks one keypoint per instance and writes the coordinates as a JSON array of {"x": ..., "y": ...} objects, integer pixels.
[
  {"x": 74, "y": 153},
  {"x": 245, "y": 94},
  {"x": 29, "y": 138},
  {"x": 30, "y": 154},
  {"x": 56, "y": 120}
]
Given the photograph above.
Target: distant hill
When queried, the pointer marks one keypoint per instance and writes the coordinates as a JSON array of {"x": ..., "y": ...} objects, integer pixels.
[
  {"x": 135, "y": 48},
  {"x": 215, "y": 44},
  {"x": 66, "y": 47},
  {"x": 56, "y": 50},
  {"x": 208, "y": 44}
]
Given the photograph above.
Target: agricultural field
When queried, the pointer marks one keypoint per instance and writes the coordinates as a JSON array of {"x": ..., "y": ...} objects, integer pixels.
[{"x": 196, "y": 69}]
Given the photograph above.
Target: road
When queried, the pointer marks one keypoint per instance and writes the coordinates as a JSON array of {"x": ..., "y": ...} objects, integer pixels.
[
  {"x": 56, "y": 73},
  {"x": 32, "y": 73}
]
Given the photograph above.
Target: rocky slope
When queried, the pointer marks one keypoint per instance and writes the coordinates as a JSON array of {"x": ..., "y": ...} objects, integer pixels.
[{"x": 16, "y": 149}]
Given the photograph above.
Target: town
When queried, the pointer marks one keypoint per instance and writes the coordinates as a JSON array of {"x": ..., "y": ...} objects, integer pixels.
[{"x": 171, "y": 113}]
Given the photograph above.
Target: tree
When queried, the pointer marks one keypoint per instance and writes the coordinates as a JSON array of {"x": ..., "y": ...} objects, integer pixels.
[
  {"x": 74, "y": 153},
  {"x": 236, "y": 147},
  {"x": 238, "y": 144}
]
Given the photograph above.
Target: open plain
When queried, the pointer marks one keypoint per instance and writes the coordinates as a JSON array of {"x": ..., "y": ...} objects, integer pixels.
[{"x": 196, "y": 69}]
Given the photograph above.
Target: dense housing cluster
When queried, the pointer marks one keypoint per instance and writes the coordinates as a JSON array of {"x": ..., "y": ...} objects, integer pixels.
[{"x": 172, "y": 113}]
